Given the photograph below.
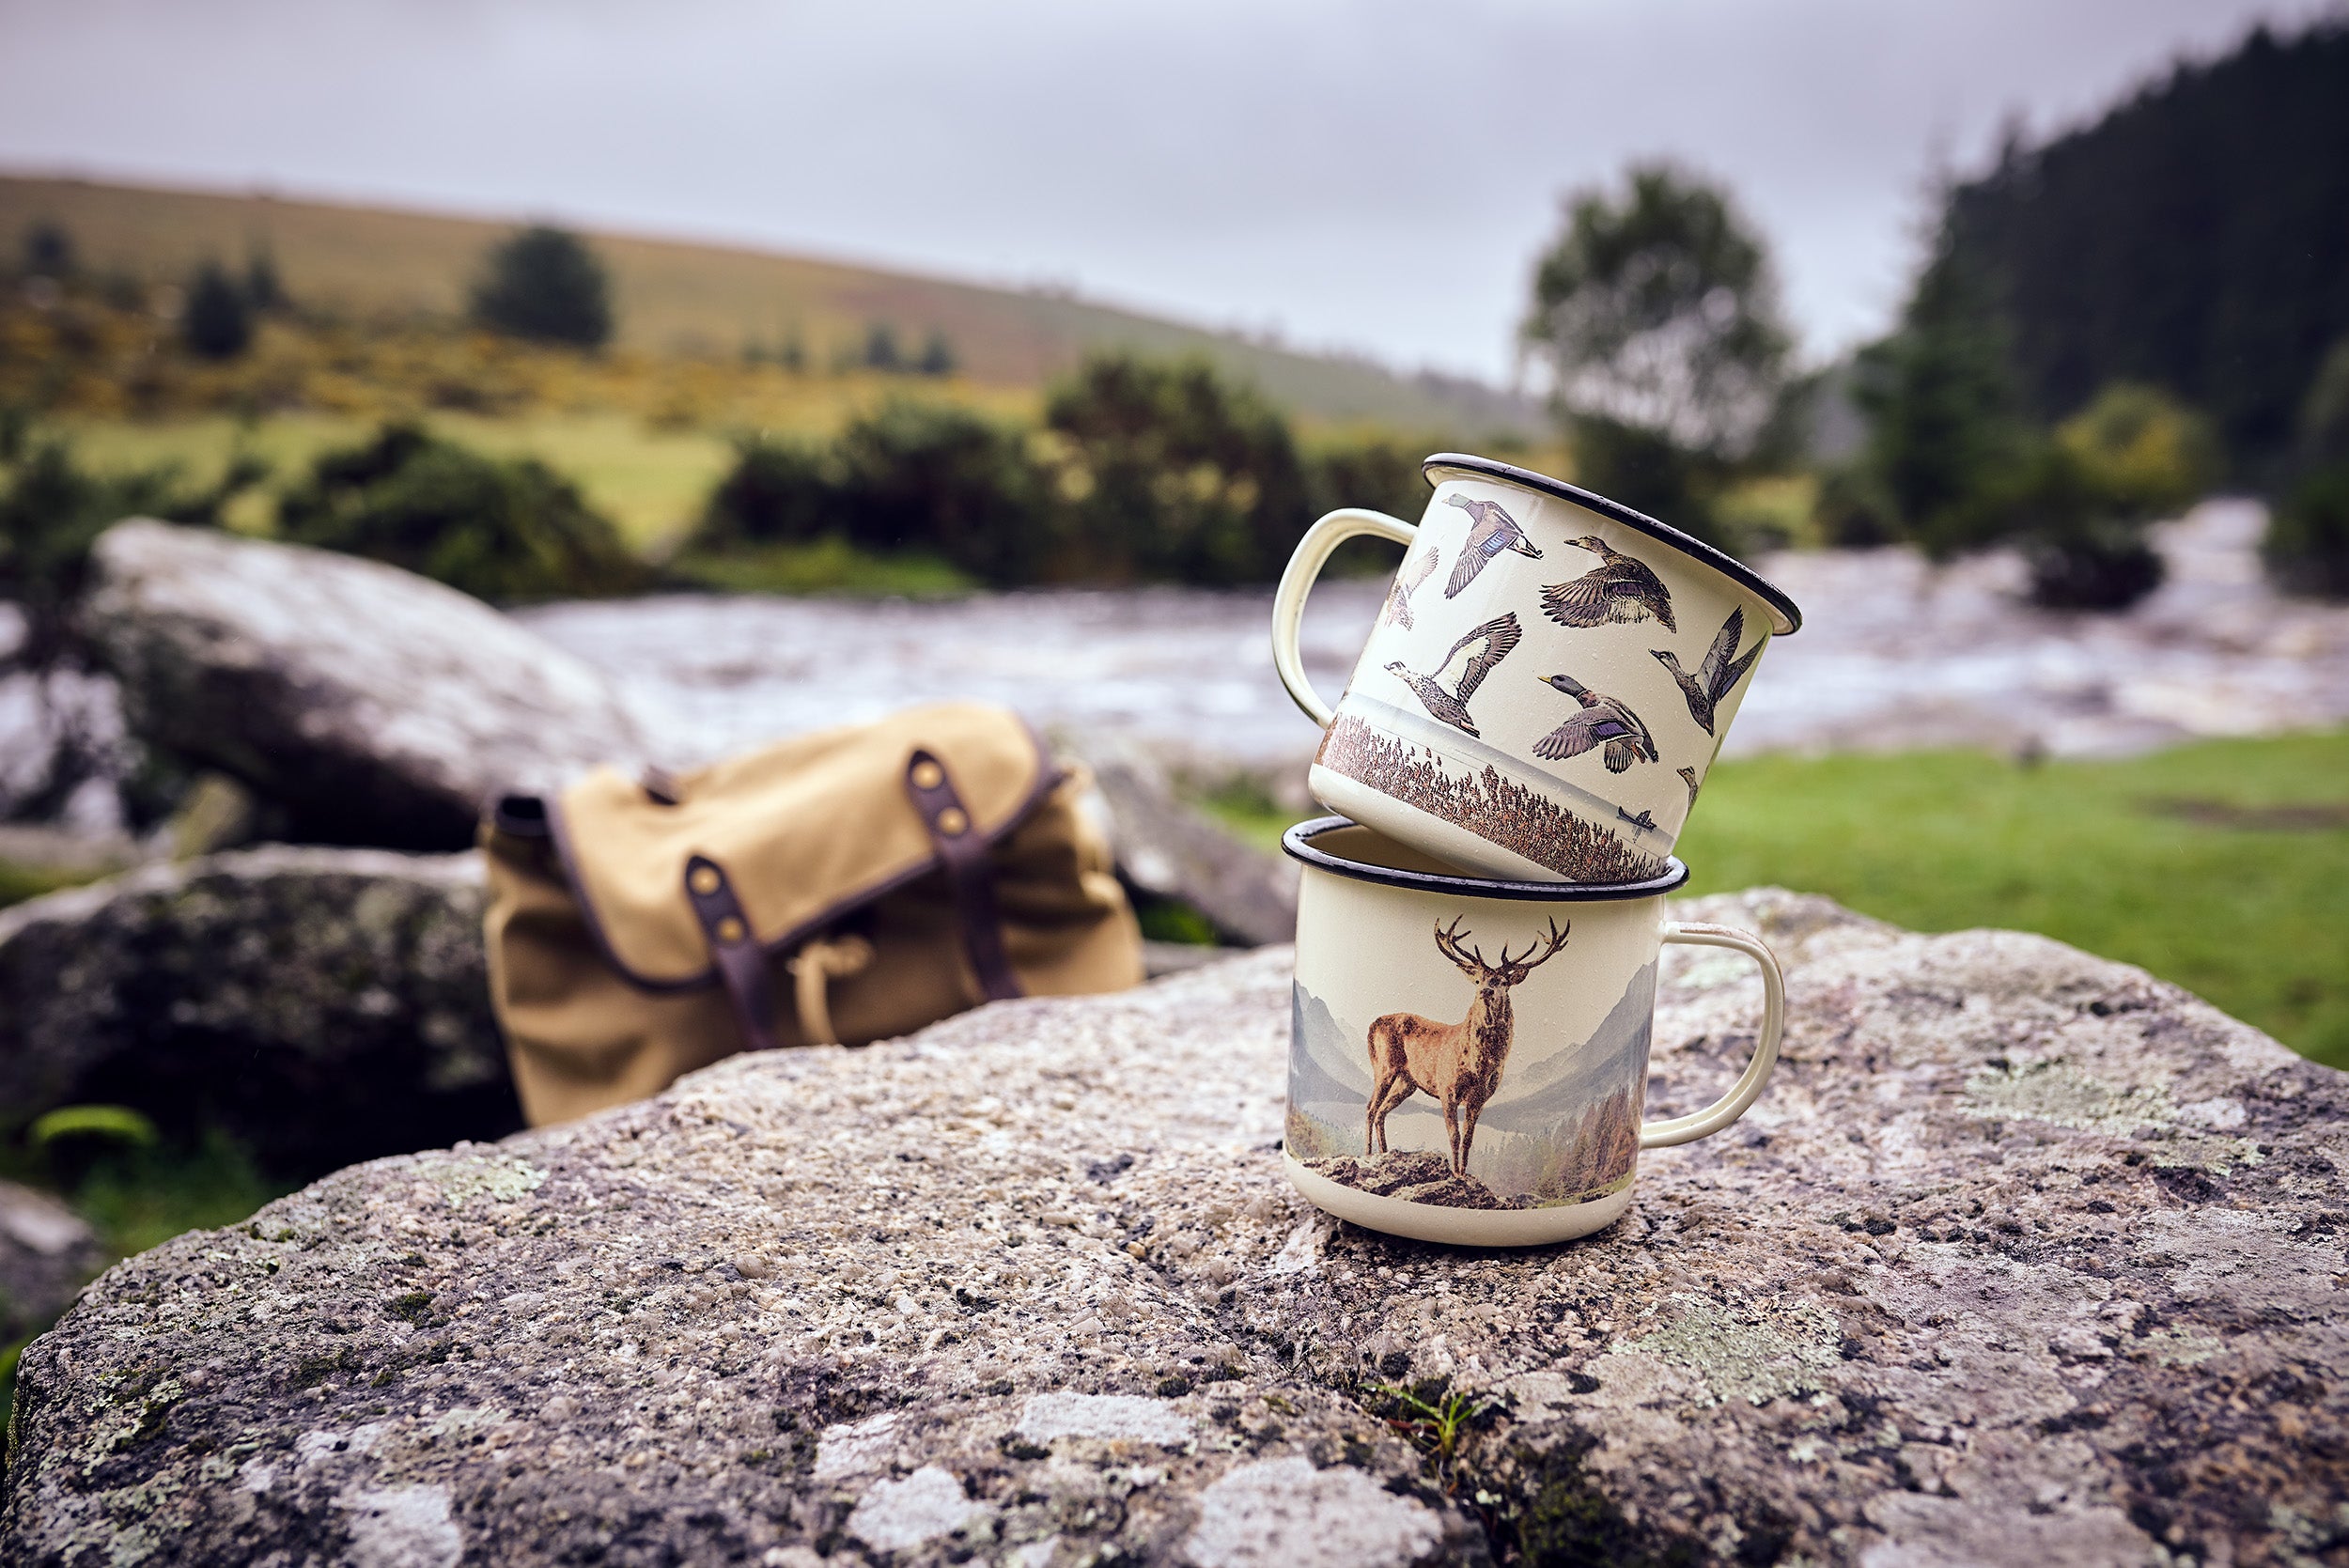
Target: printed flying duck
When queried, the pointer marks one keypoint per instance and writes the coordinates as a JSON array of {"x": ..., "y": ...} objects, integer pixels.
[
  {"x": 1717, "y": 675},
  {"x": 1485, "y": 646},
  {"x": 1619, "y": 588},
  {"x": 1490, "y": 532},
  {"x": 1603, "y": 721},
  {"x": 1418, "y": 570}
]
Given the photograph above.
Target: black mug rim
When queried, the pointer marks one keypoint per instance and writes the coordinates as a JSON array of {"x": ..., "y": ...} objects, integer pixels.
[
  {"x": 1296, "y": 844},
  {"x": 1787, "y": 611}
]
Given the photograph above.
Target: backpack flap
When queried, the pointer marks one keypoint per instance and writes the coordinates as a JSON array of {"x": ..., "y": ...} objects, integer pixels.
[{"x": 705, "y": 876}]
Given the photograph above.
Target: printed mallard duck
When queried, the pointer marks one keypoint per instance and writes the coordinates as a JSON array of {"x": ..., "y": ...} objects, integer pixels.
[
  {"x": 1720, "y": 672},
  {"x": 1485, "y": 646},
  {"x": 1418, "y": 570},
  {"x": 1688, "y": 777},
  {"x": 1619, "y": 588},
  {"x": 1604, "y": 720},
  {"x": 1491, "y": 531}
]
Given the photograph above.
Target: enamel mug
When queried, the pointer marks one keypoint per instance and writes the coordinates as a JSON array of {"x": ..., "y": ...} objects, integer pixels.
[
  {"x": 1548, "y": 681},
  {"x": 1468, "y": 1057}
]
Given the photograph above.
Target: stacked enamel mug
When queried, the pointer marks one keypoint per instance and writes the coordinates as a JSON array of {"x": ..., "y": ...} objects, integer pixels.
[{"x": 1523, "y": 740}]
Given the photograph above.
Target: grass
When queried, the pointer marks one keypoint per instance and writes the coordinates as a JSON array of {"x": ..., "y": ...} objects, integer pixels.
[
  {"x": 651, "y": 481},
  {"x": 828, "y": 566},
  {"x": 2222, "y": 866}
]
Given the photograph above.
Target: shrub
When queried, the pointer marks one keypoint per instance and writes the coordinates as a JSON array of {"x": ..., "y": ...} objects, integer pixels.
[
  {"x": 1173, "y": 475},
  {"x": 931, "y": 476},
  {"x": 2307, "y": 548},
  {"x": 502, "y": 531},
  {"x": 217, "y": 322},
  {"x": 547, "y": 286},
  {"x": 2145, "y": 453},
  {"x": 910, "y": 477},
  {"x": 2083, "y": 540},
  {"x": 49, "y": 251},
  {"x": 778, "y": 492},
  {"x": 938, "y": 356}
]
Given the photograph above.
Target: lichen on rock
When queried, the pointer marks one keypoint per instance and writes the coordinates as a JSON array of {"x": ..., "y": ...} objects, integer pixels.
[{"x": 1027, "y": 1288}]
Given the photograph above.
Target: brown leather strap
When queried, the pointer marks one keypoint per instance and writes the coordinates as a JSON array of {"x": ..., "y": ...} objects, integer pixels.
[
  {"x": 963, "y": 851},
  {"x": 741, "y": 962}
]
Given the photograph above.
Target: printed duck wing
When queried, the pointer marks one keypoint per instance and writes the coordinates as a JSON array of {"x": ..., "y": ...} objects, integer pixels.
[
  {"x": 1581, "y": 602},
  {"x": 1721, "y": 670},
  {"x": 1472, "y": 561},
  {"x": 1605, "y": 724},
  {"x": 1499, "y": 636},
  {"x": 1419, "y": 569},
  {"x": 1638, "y": 585}
]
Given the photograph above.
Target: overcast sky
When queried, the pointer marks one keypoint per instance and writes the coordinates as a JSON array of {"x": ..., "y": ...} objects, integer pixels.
[{"x": 1369, "y": 175}]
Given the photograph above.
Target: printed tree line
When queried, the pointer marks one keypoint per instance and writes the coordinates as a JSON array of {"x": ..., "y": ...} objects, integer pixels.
[{"x": 1581, "y": 1159}]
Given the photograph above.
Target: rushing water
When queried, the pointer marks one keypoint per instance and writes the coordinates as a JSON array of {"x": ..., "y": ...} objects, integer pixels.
[{"x": 1892, "y": 653}]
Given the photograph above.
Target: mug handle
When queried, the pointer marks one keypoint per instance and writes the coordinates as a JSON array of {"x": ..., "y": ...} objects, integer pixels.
[
  {"x": 1714, "y": 1117},
  {"x": 1297, "y": 581}
]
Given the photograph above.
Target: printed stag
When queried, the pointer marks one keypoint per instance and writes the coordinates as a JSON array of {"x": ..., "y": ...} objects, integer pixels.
[{"x": 1456, "y": 1063}]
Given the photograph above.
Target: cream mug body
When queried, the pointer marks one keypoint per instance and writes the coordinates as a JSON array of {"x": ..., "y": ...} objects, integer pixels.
[
  {"x": 1548, "y": 683},
  {"x": 1468, "y": 1060}
]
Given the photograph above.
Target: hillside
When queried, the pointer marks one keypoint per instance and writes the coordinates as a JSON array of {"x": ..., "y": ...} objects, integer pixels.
[{"x": 677, "y": 297}]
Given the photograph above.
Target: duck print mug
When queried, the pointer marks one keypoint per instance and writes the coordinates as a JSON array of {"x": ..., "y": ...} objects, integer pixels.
[
  {"x": 1468, "y": 1057},
  {"x": 1548, "y": 681}
]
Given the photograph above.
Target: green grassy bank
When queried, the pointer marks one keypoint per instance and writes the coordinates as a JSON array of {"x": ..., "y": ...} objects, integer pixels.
[{"x": 2222, "y": 866}]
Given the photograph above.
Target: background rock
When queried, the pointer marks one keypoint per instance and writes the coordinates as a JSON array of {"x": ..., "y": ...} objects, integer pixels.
[
  {"x": 1166, "y": 847},
  {"x": 46, "y": 1253},
  {"x": 323, "y": 1005},
  {"x": 372, "y": 705},
  {"x": 2022, "y": 1257}
]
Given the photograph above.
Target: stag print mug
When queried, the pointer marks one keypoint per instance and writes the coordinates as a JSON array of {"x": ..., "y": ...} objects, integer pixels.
[
  {"x": 1548, "y": 681},
  {"x": 1468, "y": 1057}
]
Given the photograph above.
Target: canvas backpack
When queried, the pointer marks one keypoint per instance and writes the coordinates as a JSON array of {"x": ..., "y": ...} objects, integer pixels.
[{"x": 842, "y": 887}]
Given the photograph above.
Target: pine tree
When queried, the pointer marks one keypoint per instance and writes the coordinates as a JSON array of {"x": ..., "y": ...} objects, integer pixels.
[
  {"x": 217, "y": 323},
  {"x": 546, "y": 285}
]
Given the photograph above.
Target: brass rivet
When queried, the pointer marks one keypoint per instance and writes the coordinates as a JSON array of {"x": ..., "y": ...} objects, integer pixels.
[
  {"x": 705, "y": 880},
  {"x": 952, "y": 822},
  {"x": 928, "y": 774},
  {"x": 729, "y": 930}
]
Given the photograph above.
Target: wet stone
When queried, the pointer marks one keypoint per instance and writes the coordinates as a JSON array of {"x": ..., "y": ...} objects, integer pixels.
[{"x": 2022, "y": 1257}]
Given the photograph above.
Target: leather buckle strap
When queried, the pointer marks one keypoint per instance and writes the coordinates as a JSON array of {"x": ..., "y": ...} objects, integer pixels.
[
  {"x": 741, "y": 962},
  {"x": 962, "y": 850}
]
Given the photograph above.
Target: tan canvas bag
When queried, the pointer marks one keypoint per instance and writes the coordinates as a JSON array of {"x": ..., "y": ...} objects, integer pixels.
[{"x": 840, "y": 887}]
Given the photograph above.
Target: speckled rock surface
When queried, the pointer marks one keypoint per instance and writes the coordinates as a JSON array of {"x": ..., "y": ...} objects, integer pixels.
[
  {"x": 373, "y": 707},
  {"x": 2023, "y": 1258},
  {"x": 321, "y": 1004}
]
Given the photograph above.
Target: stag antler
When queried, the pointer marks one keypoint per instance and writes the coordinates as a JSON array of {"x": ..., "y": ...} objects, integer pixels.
[
  {"x": 1548, "y": 950},
  {"x": 1448, "y": 943}
]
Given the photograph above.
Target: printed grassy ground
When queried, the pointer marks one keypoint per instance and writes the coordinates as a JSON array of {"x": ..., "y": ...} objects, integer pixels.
[{"x": 2222, "y": 866}]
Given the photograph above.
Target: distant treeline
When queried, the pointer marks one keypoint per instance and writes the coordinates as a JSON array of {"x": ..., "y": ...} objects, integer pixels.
[
  {"x": 2195, "y": 239},
  {"x": 2108, "y": 324}
]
